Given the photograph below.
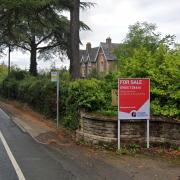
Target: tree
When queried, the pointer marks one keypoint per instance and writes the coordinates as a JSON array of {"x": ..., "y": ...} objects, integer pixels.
[
  {"x": 39, "y": 23},
  {"x": 74, "y": 40},
  {"x": 73, "y": 6},
  {"x": 36, "y": 28},
  {"x": 142, "y": 35}
]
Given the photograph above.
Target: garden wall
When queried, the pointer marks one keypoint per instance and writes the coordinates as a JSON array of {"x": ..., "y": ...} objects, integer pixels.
[{"x": 98, "y": 130}]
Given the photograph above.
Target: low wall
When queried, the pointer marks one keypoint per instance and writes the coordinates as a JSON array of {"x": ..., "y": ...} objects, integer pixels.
[{"x": 97, "y": 130}]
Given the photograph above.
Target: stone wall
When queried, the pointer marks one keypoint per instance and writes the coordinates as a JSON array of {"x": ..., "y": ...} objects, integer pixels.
[{"x": 97, "y": 130}]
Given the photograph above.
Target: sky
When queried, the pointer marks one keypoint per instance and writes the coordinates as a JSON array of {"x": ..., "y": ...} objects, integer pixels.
[{"x": 111, "y": 18}]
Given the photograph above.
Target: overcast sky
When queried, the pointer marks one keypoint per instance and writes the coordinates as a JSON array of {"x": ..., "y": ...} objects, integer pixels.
[{"x": 112, "y": 18}]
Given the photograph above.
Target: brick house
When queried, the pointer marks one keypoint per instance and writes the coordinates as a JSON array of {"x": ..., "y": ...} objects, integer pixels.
[{"x": 100, "y": 59}]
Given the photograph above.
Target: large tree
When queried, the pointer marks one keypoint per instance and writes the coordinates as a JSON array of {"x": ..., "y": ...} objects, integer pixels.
[
  {"x": 34, "y": 28},
  {"x": 33, "y": 23},
  {"x": 74, "y": 40},
  {"x": 74, "y": 6}
]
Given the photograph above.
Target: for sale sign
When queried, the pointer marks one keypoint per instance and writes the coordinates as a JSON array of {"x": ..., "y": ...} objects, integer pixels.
[{"x": 134, "y": 99}]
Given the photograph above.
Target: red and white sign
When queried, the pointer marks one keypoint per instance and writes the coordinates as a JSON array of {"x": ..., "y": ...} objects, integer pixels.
[{"x": 133, "y": 99}]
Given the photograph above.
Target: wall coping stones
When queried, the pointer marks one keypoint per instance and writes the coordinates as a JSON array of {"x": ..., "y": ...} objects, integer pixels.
[{"x": 99, "y": 117}]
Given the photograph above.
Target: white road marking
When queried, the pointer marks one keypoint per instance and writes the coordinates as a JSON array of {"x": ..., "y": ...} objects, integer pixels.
[{"x": 11, "y": 157}]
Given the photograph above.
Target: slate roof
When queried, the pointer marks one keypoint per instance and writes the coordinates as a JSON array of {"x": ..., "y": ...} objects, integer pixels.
[
  {"x": 91, "y": 54},
  {"x": 83, "y": 55},
  {"x": 108, "y": 50}
]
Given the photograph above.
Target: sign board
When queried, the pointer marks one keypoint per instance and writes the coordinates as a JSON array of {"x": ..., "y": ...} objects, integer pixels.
[
  {"x": 54, "y": 76},
  {"x": 133, "y": 99}
]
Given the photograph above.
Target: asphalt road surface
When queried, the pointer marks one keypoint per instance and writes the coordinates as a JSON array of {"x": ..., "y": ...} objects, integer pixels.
[{"x": 21, "y": 157}]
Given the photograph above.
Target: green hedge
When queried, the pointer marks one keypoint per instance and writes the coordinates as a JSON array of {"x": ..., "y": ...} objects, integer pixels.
[
  {"x": 40, "y": 93},
  {"x": 92, "y": 94}
]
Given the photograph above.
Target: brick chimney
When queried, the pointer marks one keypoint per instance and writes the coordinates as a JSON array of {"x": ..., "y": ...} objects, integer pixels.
[
  {"x": 88, "y": 46},
  {"x": 108, "y": 41}
]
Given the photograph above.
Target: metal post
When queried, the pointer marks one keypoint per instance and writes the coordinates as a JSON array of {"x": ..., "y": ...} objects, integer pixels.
[
  {"x": 119, "y": 121},
  {"x": 58, "y": 101},
  {"x": 9, "y": 60},
  {"x": 147, "y": 133},
  {"x": 119, "y": 131}
]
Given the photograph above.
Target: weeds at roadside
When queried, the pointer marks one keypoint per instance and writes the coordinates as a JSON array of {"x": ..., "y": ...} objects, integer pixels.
[{"x": 131, "y": 149}]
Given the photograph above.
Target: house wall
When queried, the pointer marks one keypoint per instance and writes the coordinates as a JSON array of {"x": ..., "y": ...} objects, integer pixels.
[
  {"x": 94, "y": 65},
  {"x": 83, "y": 70},
  {"x": 102, "y": 65},
  {"x": 89, "y": 68}
]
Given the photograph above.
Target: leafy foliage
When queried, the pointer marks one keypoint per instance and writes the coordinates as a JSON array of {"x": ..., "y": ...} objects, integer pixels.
[
  {"x": 40, "y": 93},
  {"x": 145, "y": 54},
  {"x": 39, "y": 27}
]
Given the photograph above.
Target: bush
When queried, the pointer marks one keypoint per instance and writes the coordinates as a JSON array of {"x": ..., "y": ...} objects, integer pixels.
[
  {"x": 87, "y": 94},
  {"x": 80, "y": 94},
  {"x": 40, "y": 93}
]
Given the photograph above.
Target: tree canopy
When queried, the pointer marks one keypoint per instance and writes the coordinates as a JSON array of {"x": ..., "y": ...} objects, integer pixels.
[
  {"x": 39, "y": 27},
  {"x": 143, "y": 35}
]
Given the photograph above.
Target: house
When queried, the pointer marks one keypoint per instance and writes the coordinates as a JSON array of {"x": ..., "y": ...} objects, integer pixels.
[{"x": 98, "y": 59}]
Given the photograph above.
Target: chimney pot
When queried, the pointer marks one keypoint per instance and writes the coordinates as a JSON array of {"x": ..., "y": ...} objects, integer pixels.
[{"x": 108, "y": 41}]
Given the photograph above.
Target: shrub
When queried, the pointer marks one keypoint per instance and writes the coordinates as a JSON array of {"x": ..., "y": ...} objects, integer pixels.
[
  {"x": 80, "y": 94},
  {"x": 87, "y": 94}
]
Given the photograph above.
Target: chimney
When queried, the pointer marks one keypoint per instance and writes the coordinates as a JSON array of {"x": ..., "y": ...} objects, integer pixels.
[
  {"x": 88, "y": 46},
  {"x": 108, "y": 41}
]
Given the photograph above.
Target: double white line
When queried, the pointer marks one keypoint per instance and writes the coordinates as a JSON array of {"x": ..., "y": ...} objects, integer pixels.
[{"x": 11, "y": 157}]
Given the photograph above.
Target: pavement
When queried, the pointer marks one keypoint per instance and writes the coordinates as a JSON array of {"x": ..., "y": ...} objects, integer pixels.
[
  {"x": 43, "y": 153},
  {"x": 25, "y": 122}
]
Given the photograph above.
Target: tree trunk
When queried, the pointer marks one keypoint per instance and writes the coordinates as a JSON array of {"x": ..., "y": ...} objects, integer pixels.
[
  {"x": 33, "y": 59},
  {"x": 74, "y": 41}
]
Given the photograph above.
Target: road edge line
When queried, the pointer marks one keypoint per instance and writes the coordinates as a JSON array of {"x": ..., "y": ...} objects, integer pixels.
[{"x": 12, "y": 159}]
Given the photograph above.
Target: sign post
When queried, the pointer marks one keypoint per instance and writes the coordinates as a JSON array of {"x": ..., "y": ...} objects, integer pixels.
[
  {"x": 133, "y": 101},
  {"x": 147, "y": 133},
  {"x": 55, "y": 78}
]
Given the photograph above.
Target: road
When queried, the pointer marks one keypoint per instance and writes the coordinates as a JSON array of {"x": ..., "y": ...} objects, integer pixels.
[{"x": 21, "y": 157}]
